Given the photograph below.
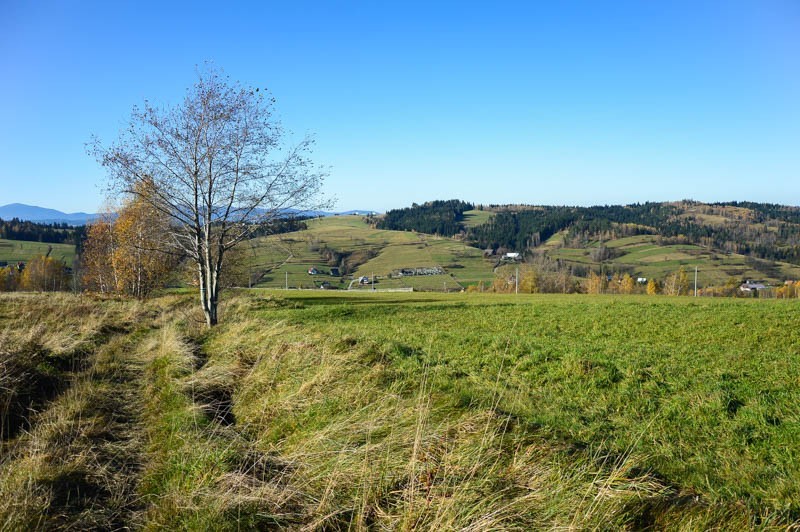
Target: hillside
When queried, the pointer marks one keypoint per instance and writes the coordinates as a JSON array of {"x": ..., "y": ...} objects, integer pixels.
[
  {"x": 343, "y": 411},
  {"x": 727, "y": 242},
  {"x": 13, "y": 251},
  {"x": 356, "y": 249}
]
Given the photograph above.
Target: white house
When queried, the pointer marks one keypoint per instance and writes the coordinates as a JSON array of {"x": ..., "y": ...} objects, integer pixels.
[{"x": 750, "y": 286}]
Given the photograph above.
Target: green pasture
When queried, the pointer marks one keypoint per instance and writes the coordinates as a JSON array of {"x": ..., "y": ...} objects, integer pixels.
[
  {"x": 476, "y": 217},
  {"x": 272, "y": 258},
  {"x": 13, "y": 251},
  {"x": 642, "y": 255},
  {"x": 701, "y": 393},
  {"x": 629, "y": 241}
]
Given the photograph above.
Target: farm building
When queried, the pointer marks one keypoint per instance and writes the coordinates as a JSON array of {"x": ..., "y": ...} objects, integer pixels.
[
  {"x": 430, "y": 270},
  {"x": 752, "y": 286}
]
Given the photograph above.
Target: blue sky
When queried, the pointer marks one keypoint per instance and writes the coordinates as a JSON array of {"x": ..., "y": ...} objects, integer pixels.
[{"x": 494, "y": 102}]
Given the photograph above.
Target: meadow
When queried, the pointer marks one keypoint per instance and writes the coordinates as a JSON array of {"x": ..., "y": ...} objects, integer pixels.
[
  {"x": 13, "y": 251},
  {"x": 335, "y": 410}
]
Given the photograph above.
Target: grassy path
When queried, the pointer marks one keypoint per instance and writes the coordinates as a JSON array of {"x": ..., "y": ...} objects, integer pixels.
[
  {"x": 77, "y": 465},
  {"x": 139, "y": 433},
  {"x": 202, "y": 471}
]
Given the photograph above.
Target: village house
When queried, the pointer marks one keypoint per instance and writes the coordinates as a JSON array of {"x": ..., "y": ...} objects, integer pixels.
[{"x": 752, "y": 286}]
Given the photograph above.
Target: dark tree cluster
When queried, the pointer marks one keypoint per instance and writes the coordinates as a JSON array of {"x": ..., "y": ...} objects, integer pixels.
[
  {"x": 530, "y": 227},
  {"x": 279, "y": 226},
  {"x": 16, "y": 229},
  {"x": 434, "y": 217}
]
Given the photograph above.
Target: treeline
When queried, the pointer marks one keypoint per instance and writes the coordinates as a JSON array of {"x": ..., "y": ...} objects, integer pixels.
[
  {"x": 764, "y": 231},
  {"x": 434, "y": 217},
  {"x": 41, "y": 274},
  {"x": 280, "y": 226},
  {"x": 16, "y": 229},
  {"x": 766, "y": 211},
  {"x": 526, "y": 228}
]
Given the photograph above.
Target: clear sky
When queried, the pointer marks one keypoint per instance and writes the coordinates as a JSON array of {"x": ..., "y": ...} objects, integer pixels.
[{"x": 494, "y": 102}]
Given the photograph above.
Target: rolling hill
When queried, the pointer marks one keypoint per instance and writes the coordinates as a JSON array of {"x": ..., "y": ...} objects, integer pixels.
[
  {"x": 727, "y": 243},
  {"x": 356, "y": 249}
]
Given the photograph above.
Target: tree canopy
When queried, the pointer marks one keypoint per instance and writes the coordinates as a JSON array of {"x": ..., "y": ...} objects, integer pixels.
[{"x": 218, "y": 165}]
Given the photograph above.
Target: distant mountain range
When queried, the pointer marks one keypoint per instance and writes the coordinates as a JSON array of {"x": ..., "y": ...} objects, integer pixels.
[{"x": 33, "y": 213}]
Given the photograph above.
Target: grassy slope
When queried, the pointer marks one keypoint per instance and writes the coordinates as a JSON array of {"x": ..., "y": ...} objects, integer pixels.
[
  {"x": 295, "y": 253},
  {"x": 649, "y": 259},
  {"x": 64, "y": 368},
  {"x": 400, "y": 411},
  {"x": 476, "y": 217},
  {"x": 13, "y": 251},
  {"x": 701, "y": 395}
]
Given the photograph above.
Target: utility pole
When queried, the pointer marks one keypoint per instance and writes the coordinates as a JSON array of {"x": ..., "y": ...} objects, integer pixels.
[
  {"x": 516, "y": 281},
  {"x": 695, "y": 280},
  {"x": 287, "y": 280}
]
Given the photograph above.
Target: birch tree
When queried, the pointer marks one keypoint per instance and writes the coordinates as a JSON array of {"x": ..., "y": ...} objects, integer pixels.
[
  {"x": 217, "y": 165},
  {"x": 97, "y": 260},
  {"x": 123, "y": 253}
]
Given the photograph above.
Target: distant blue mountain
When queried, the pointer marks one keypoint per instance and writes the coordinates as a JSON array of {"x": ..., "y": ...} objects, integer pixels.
[
  {"x": 298, "y": 212},
  {"x": 40, "y": 214},
  {"x": 32, "y": 213}
]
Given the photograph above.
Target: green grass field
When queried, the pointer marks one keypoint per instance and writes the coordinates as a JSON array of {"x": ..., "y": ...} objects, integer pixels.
[
  {"x": 325, "y": 410},
  {"x": 476, "y": 217},
  {"x": 13, "y": 251},
  {"x": 704, "y": 393}
]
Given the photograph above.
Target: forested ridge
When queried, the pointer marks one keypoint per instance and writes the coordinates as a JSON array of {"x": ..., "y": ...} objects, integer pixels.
[
  {"x": 761, "y": 230},
  {"x": 16, "y": 229},
  {"x": 434, "y": 217},
  {"x": 764, "y": 231}
]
